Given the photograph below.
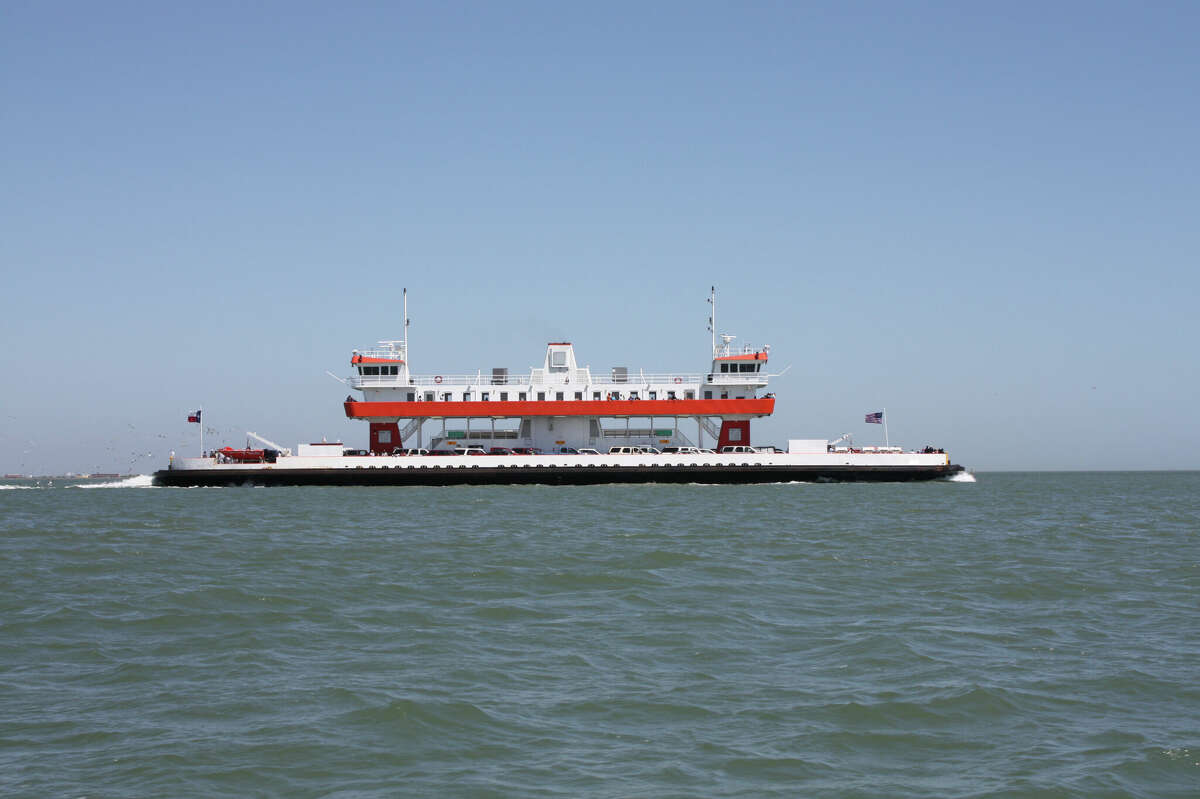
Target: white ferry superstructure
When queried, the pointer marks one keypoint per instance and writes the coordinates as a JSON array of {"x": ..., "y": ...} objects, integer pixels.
[{"x": 560, "y": 423}]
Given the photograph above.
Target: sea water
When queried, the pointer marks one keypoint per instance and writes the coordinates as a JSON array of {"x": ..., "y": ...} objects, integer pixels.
[{"x": 1027, "y": 634}]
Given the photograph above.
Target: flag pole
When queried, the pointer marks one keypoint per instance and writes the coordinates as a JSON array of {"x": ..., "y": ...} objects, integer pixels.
[
  {"x": 200, "y": 419},
  {"x": 886, "y": 443},
  {"x": 712, "y": 318}
]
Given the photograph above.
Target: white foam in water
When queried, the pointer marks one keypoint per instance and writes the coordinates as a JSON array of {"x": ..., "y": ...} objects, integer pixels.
[
  {"x": 137, "y": 481},
  {"x": 962, "y": 477},
  {"x": 4, "y": 487}
]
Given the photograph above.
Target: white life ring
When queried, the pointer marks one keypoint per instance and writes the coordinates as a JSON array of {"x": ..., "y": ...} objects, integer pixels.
[
  {"x": 679, "y": 380},
  {"x": 437, "y": 379}
]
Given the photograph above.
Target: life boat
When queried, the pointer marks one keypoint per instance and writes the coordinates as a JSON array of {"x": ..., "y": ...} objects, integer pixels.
[{"x": 242, "y": 455}]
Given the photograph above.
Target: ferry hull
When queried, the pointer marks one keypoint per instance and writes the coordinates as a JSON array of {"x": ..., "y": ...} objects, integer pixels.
[{"x": 554, "y": 475}]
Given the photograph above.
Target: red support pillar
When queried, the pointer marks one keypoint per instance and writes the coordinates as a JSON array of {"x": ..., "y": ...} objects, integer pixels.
[
  {"x": 384, "y": 444},
  {"x": 734, "y": 434}
]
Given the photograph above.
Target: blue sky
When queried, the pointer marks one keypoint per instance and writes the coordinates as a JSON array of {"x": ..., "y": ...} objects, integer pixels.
[{"x": 981, "y": 218}]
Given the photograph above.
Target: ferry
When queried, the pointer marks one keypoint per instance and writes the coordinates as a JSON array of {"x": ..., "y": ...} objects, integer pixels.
[{"x": 561, "y": 424}]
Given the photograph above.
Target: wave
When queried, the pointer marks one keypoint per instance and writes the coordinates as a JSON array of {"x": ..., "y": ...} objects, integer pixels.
[
  {"x": 136, "y": 481},
  {"x": 962, "y": 477}
]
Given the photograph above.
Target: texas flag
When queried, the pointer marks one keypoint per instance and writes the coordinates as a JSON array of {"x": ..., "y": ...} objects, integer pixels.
[{"x": 194, "y": 417}]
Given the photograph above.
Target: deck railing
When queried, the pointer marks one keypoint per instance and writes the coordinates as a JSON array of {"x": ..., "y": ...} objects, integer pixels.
[
  {"x": 729, "y": 350},
  {"x": 666, "y": 380}
]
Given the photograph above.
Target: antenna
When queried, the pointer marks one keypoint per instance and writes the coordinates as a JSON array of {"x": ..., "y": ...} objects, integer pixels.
[{"x": 406, "y": 328}]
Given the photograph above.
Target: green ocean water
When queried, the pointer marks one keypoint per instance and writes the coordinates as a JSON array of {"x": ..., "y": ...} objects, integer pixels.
[{"x": 1025, "y": 635}]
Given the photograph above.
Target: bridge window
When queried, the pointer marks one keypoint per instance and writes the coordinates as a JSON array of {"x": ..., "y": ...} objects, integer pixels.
[{"x": 724, "y": 367}]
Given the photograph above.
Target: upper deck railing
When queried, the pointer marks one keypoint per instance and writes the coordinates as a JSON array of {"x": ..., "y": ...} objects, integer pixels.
[
  {"x": 483, "y": 380},
  {"x": 394, "y": 352},
  {"x": 730, "y": 350},
  {"x": 535, "y": 379}
]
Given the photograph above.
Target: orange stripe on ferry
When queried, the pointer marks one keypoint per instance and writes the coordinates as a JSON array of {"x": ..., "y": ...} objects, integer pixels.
[
  {"x": 761, "y": 406},
  {"x": 364, "y": 359}
]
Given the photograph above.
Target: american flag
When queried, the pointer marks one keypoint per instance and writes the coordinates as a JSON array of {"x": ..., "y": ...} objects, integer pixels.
[
  {"x": 194, "y": 417},
  {"x": 875, "y": 418}
]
